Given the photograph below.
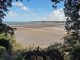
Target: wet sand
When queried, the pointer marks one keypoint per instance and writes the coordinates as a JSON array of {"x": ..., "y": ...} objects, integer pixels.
[{"x": 39, "y": 34}]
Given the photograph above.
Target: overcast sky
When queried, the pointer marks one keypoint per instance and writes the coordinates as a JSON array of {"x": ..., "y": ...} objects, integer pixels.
[{"x": 34, "y": 10}]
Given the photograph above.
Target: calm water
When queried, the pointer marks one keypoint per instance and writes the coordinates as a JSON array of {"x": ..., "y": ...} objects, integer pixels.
[
  {"x": 16, "y": 22},
  {"x": 20, "y": 22}
]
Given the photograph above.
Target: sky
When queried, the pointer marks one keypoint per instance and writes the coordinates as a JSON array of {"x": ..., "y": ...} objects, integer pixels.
[{"x": 34, "y": 10}]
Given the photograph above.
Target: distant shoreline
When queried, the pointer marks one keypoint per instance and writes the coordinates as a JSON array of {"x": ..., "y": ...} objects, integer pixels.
[{"x": 50, "y": 21}]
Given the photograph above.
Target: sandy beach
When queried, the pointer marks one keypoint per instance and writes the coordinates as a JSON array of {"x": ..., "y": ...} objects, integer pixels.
[{"x": 39, "y": 34}]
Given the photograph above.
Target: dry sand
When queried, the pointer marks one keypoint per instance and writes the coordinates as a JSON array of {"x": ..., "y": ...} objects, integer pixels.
[{"x": 37, "y": 34}]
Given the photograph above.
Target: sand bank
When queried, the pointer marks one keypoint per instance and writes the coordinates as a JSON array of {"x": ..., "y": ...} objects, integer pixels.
[{"x": 38, "y": 37}]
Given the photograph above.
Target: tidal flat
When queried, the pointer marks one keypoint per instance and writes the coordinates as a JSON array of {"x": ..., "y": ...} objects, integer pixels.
[{"x": 39, "y": 34}]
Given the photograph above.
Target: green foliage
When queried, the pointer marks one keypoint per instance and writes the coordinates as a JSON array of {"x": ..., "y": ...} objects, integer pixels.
[
  {"x": 56, "y": 2},
  {"x": 4, "y": 54},
  {"x": 16, "y": 49},
  {"x": 2, "y": 50},
  {"x": 71, "y": 11},
  {"x": 75, "y": 53},
  {"x": 15, "y": 45},
  {"x": 40, "y": 54},
  {"x": 71, "y": 46},
  {"x": 12, "y": 41},
  {"x": 6, "y": 29},
  {"x": 71, "y": 42}
]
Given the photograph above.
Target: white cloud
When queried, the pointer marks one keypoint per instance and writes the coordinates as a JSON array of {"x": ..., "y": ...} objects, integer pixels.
[
  {"x": 40, "y": 18},
  {"x": 32, "y": 9},
  {"x": 57, "y": 15},
  {"x": 12, "y": 13},
  {"x": 40, "y": 9},
  {"x": 60, "y": 9},
  {"x": 10, "y": 18},
  {"x": 16, "y": 9},
  {"x": 33, "y": 14},
  {"x": 43, "y": 17},
  {"x": 45, "y": 12},
  {"x": 18, "y": 4},
  {"x": 25, "y": 15},
  {"x": 36, "y": 19},
  {"x": 25, "y": 8}
]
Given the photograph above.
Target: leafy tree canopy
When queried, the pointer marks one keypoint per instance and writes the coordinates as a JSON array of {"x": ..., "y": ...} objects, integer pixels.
[
  {"x": 71, "y": 11},
  {"x": 4, "y": 4}
]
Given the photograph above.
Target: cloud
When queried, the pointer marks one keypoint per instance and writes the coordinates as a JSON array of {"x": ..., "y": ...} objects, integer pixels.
[
  {"x": 18, "y": 4},
  {"x": 16, "y": 9},
  {"x": 25, "y": 8},
  {"x": 33, "y": 14},
  {"x": 40, "y": 9},
  {"x": 57, "y": 15},
  {"x": 24, "y": 15},
  {"x": 61, "y": 9},
  {"x": 32, "y": 9},
  {"x": 40, "y": 18},
  {"x": 45, "y": 12},
  {"x": 36, "y": 19},
  {"x": 12, "y": 13},
  {"x": 44, "y": 18},
  {"x": 10, "y": 18}
]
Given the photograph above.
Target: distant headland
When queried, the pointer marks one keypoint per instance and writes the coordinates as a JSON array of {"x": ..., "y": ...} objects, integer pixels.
[{"x": 48, "y": 21}]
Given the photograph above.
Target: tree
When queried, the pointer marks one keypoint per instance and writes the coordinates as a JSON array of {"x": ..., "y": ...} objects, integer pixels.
[
  {"x": 71, "y": 11},
  {"x": 4, "y": 4},
  {"x": 72, "y": 40}
]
